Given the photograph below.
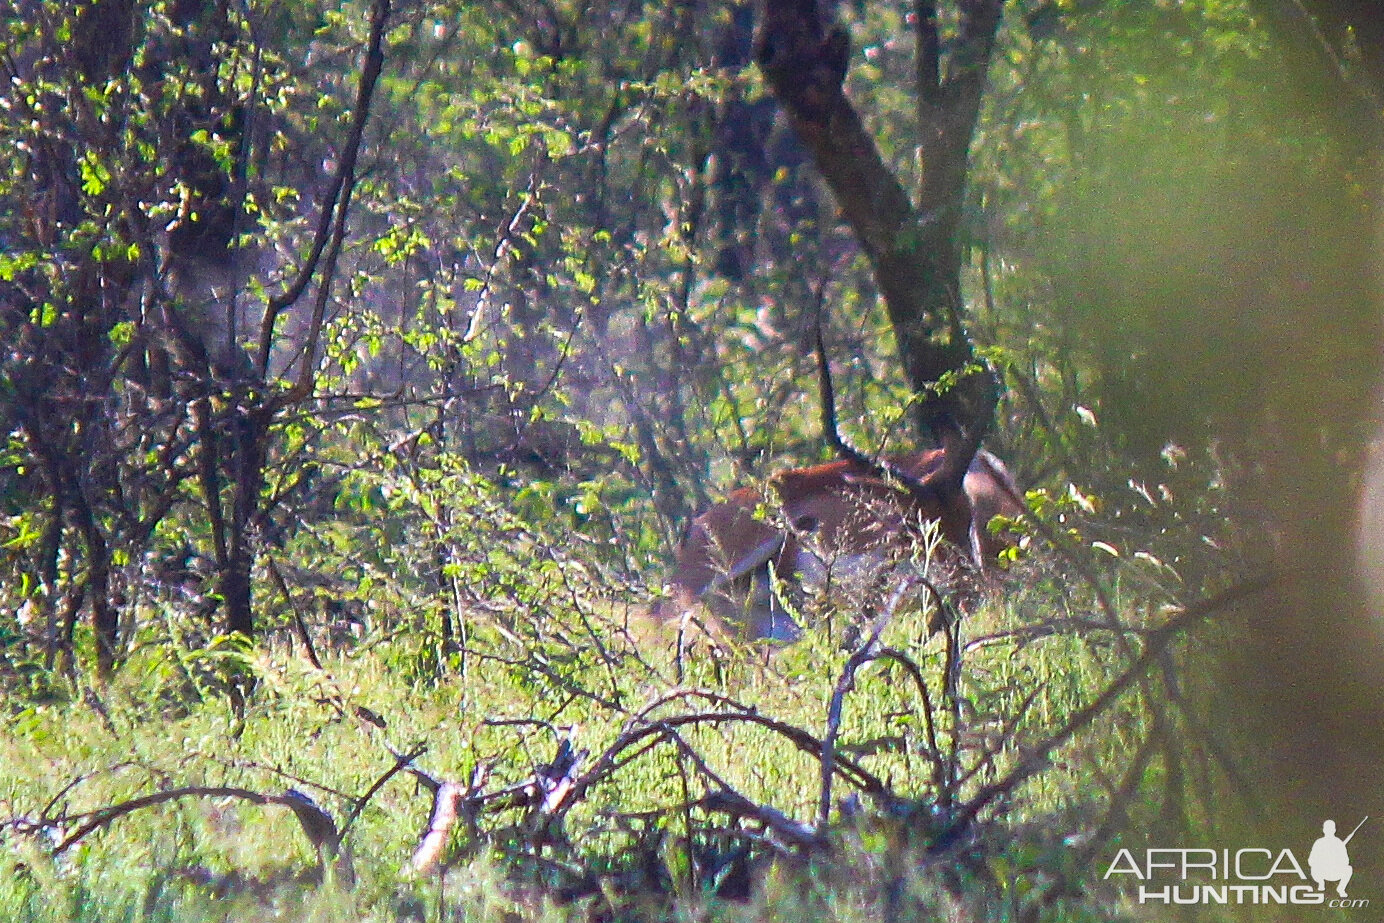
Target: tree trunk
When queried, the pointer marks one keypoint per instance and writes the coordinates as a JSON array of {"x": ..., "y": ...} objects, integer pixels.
[
  {"x": 916, "y": 253},
  {"x": 251, "y": 434}
]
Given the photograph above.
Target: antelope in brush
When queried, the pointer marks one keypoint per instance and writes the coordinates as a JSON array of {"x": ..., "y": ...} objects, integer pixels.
[
  {"x": 839, "y": 522},
  {"x": 850, "y": 522}
]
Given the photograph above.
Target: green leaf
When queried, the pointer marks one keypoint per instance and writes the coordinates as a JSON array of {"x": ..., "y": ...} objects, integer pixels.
[{"x": 121, "y": 334}]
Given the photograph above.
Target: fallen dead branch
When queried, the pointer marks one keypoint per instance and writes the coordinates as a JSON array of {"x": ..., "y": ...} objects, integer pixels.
[
  {"x": 446, "y": 809},
  {"x": 315, "y": 822}
]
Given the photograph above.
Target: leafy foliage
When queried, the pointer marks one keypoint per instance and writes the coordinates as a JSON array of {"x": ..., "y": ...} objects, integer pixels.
[{"x": 365, "y": 359}]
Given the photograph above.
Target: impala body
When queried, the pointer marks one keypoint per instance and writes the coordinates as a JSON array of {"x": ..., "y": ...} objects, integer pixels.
[{"x": 837, "y": 524}]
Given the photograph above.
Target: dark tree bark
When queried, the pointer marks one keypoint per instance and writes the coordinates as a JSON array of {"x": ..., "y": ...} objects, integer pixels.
[
  {"x": 62, "y": 420},
  {"x": 916, "y": 252},
  {"x": 232, "y": 440}
]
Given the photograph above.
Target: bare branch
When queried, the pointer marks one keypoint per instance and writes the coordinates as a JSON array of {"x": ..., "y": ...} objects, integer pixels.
[
  {"x": 791, "y": 831},
  {"x": 637, "y": 732},
  {"x": 1034, "y": 760},
  {"x": 401, "y": 761},
  {"x": 867, "y": 651},
  {"x": 446, "y": 809},
  {"x": 294, "y": 801},
  {"x": 331, "y": 222}
]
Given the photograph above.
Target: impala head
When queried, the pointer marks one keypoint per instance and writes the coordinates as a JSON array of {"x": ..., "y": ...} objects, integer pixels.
[{"x": 838, "y": 522}]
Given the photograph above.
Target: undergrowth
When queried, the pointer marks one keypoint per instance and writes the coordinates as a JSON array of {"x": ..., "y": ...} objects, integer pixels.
[{"x": 586, "y": 783}]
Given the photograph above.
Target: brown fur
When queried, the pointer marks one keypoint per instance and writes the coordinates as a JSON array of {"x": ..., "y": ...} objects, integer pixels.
[{"x": 841, "y": 510}]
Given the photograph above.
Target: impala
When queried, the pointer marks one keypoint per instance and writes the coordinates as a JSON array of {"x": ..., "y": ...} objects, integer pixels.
[{"x": 840, "y": 524}]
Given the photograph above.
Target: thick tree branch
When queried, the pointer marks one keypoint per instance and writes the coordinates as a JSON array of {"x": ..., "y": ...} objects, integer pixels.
[
  {"x": 929, "y": 52},
  {"x": 947, "y": 114},
  {"x": 915, "y": 255}
]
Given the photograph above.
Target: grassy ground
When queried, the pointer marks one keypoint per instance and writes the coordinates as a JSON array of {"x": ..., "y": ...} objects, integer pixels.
[{"x": 639, "y": 839}]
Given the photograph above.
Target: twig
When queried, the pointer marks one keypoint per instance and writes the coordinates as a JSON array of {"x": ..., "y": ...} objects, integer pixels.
[
  {"x": 727, "y": 800},
  {"x": 1047, "y": 627},
  {"x": 1031, "y": 762},
  {"x": 331, "y": 222},
  {"x": 1061, "y": 884},
  {"x": 299, "y": 624},
  {"x": 868, "y": 651},
  {"x": 939, "y": 778},
  {"x": 803, "y": 740},
  {"x": 636, "y": 733},
  {"x": 400, "y": 762},
  {"x": 1005, "y": 734}
]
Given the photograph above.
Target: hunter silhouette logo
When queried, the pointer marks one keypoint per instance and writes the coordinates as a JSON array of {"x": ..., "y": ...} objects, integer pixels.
[{"x": 1329, "y": 860}]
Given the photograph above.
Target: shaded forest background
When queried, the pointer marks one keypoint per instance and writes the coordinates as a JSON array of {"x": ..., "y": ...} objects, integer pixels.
[{"x": 436, "y": 320}]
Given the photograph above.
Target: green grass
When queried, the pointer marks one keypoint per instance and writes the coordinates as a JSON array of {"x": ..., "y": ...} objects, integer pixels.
[{"x": 501, "y": 707}]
